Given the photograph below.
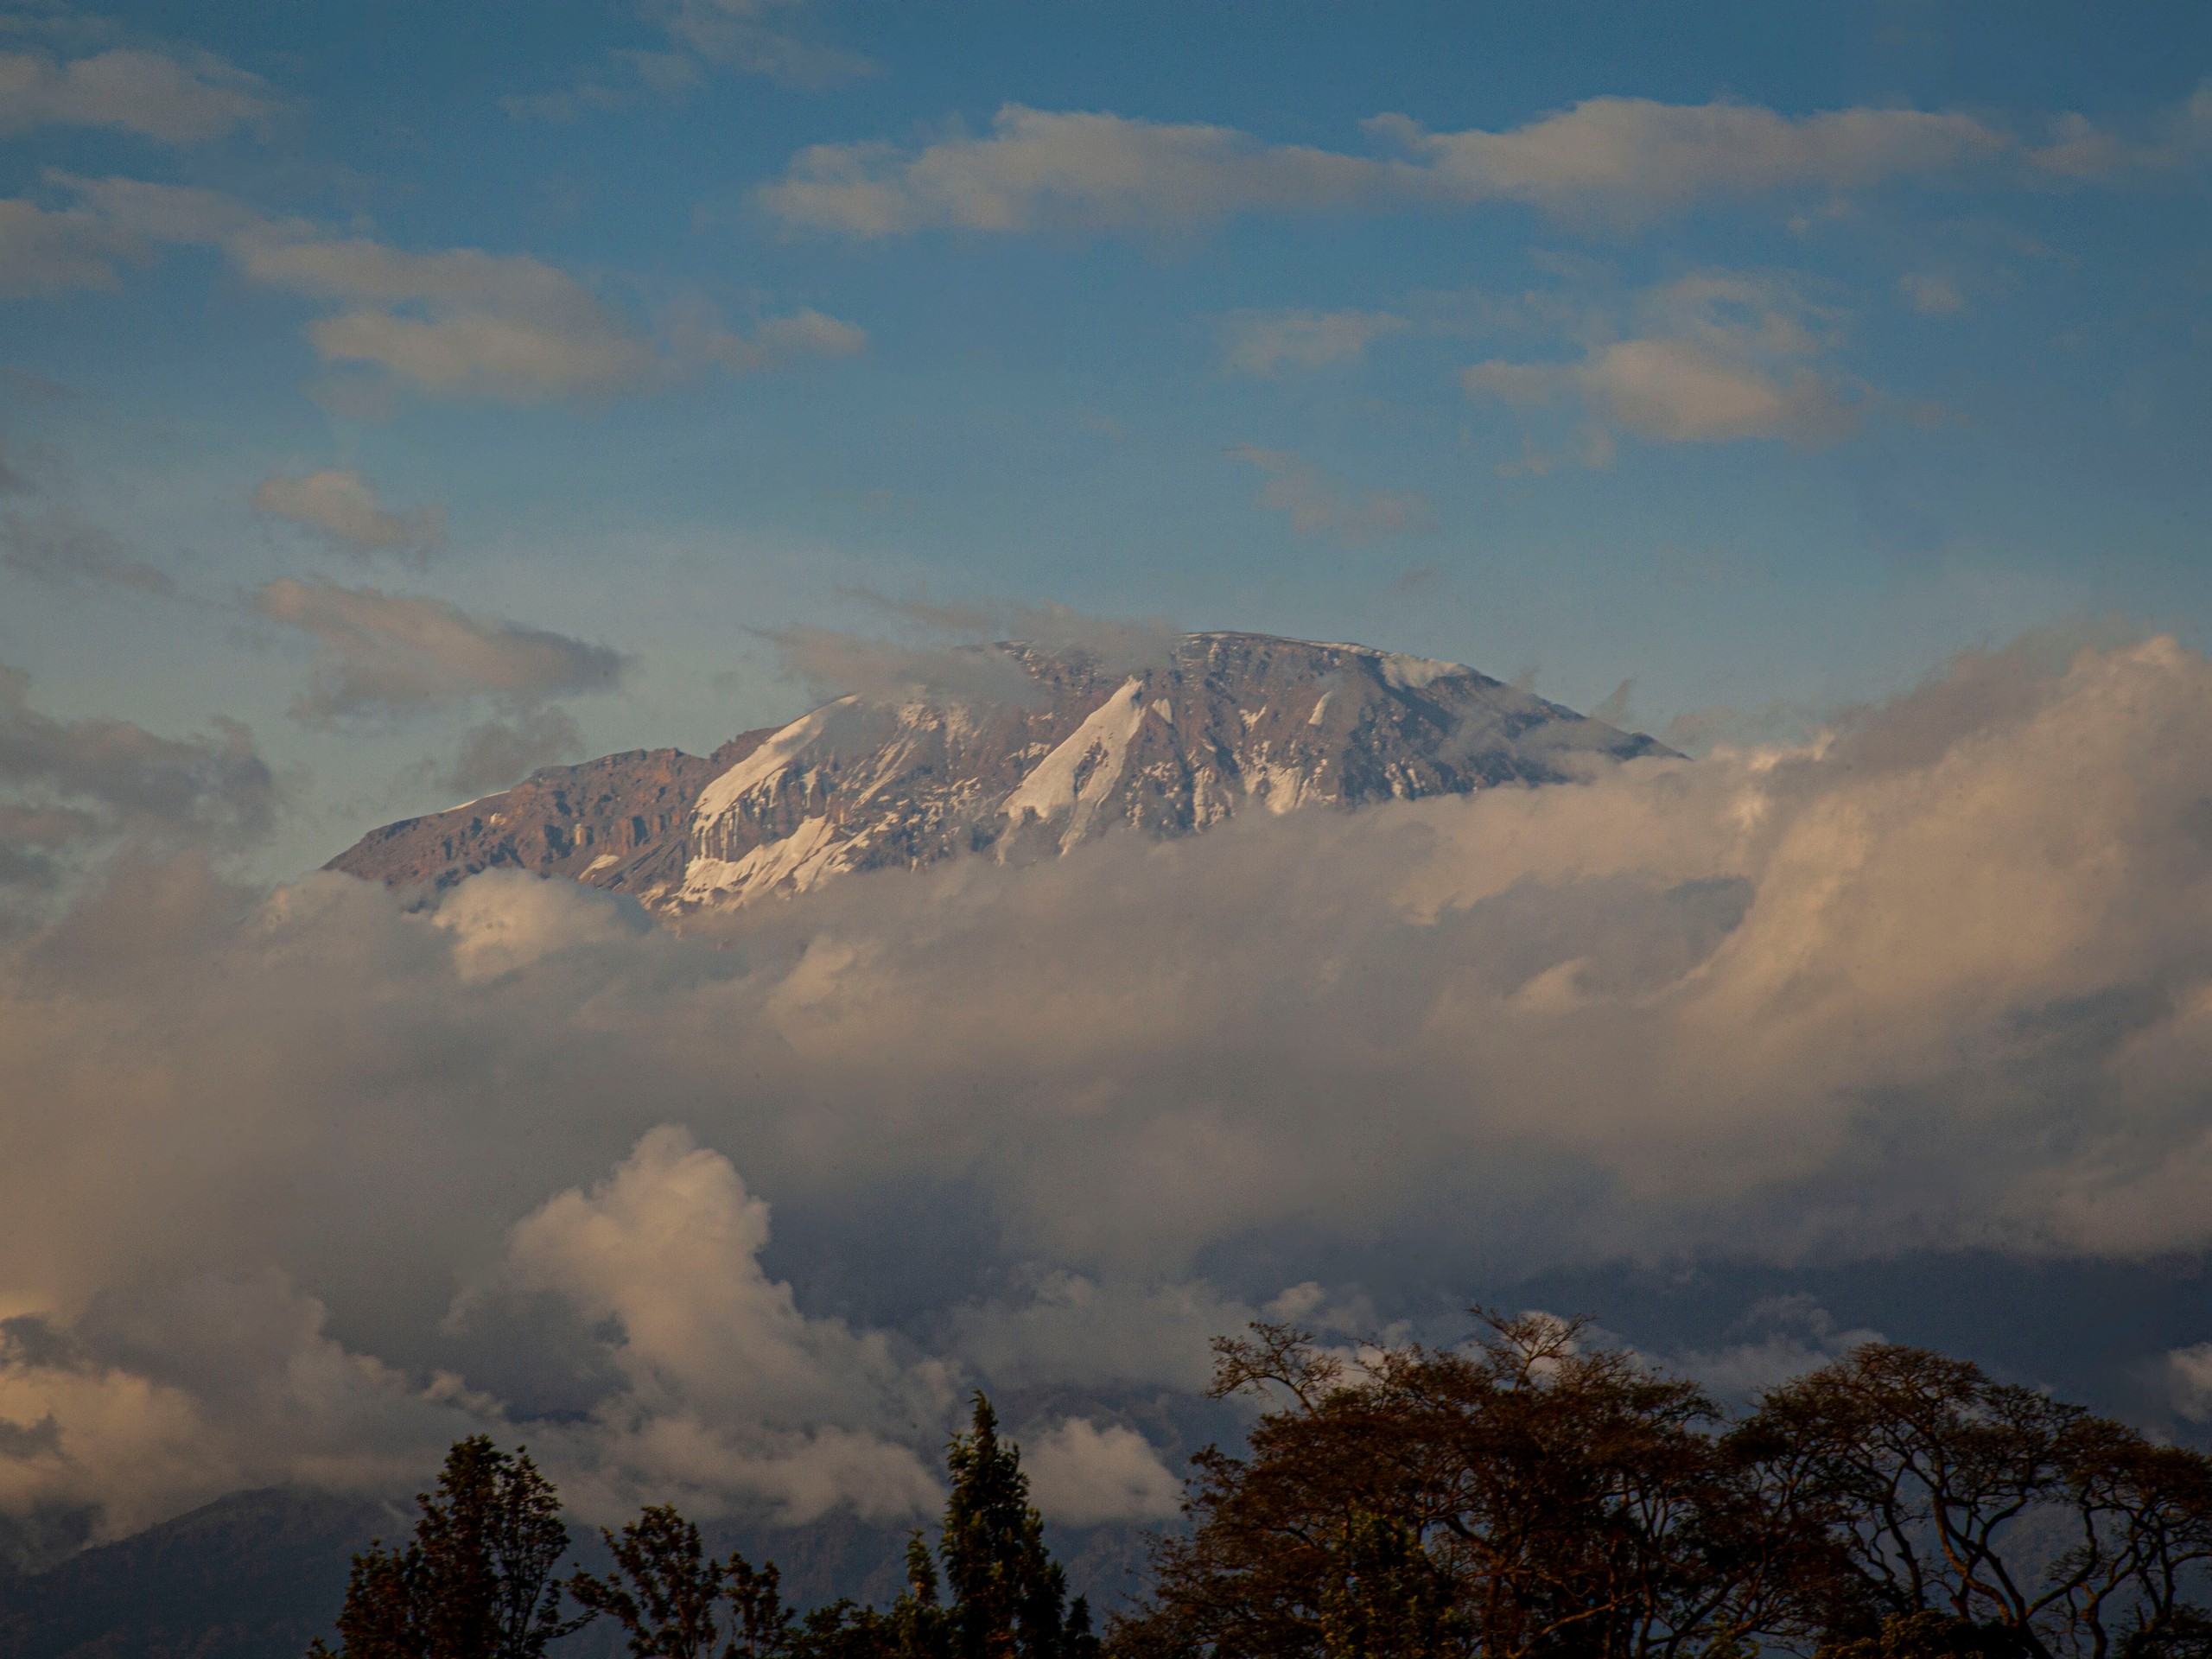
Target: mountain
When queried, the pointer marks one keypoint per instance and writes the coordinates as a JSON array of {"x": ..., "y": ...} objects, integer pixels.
[
  {"x": 1065, "y": 748},
  {"x": 250, "y": 1576},
  {"x": 257, "y": 1574}
]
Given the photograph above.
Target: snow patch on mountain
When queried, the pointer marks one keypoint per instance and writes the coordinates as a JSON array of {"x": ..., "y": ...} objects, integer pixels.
[{"x": 1079, "y": 776}]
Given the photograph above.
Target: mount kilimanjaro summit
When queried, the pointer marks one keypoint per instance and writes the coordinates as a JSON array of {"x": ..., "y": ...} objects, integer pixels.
[{"x": 1046, "y": 749}]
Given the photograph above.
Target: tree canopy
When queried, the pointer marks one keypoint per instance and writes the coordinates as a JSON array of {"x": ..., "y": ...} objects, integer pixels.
[
  {"x": 476, "y": 1581},
  {"x": 1529, "y": 1495},
  {"x": 1533, "y": 1495}
]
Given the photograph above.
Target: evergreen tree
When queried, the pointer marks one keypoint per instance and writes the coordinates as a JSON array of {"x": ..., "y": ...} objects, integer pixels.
[
  {"x": 476, "y": 1580},
  {"x": 1009, "y": 1596}
]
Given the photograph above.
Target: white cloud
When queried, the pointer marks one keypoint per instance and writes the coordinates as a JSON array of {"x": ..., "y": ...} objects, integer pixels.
[
  {"x": 43, "y": 253},
  {"x": 1081, "y": 1475},
  {"x": 392, "y": 652},
  {"x": 1038, "y": 169},
  {"x": 749, "y": 36},
  {"x": 1781, "y": 1338},
  {"x": 1618, "y": 160},
  {"x": 176, "y": 100},
  {"x": 1627, "y": 160},
  {"x": 727, "y": 1385},
  {"x": 1719, "y": 358},
  {"x": 457, "y": 322},
  {"x": 2079, "y": 152},
  {"x": 340, "y": 505},
  {"x": 1318, "y": 506},
  {"x": 1268, "y": 342},
  {"x": 745, "y": 35},
  {"x": 2188, "y": 1381},
  {"x": 146, "y": 1406}
]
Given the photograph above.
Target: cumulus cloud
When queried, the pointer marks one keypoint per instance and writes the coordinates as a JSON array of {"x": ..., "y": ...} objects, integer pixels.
[
  {"x": 725, "y": 1383},
  {"x": 456, "y": 322},
  {"x": 145, "y": 1406},
  {"x": 1933, "y": 979},
  {"x": 1717, "y": 357},
  {"x": 379, "y": 652},
  {"x": 1268, "y": 342},
  {"x": 1782, "y": 1337},
  {"x": 1617, "y": 160},
  {"x": 172, "y": 99},
  {"x": 1318, "y": 505},
  {"x": 1081, "y": 1475},
  {"x": 341, "y": 506},
  {"x": 2188, "y": 1381}
]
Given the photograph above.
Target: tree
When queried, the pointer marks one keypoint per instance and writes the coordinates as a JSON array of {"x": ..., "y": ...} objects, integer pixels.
[
  {"x": 666, "y": 1595},
  {"x": 1967, "y": 1510},
  {"x": 1531, "y": 1497},
  {"x": 1009, "y": 1596},
  {"x": 1526, "y": 1496},
  {"x": 476, "y": 1581}
]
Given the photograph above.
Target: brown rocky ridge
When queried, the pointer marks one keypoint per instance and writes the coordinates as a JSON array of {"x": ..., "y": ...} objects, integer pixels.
[{"x": 1218, "y": 724}]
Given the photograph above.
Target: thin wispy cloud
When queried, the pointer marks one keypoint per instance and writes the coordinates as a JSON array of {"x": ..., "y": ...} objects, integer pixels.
[
  {"x": 1615, "y": 162},
  {"x": 341, "y": 506},
  {"x": 391, "y": 653},
  {"x": 182, "y": 98},
  {"x": 1320, "y": 506},
  {"x": 453, "y": 322}
]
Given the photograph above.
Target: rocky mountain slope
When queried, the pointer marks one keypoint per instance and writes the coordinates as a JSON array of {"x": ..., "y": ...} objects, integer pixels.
[{"x": 1225, "y": 723}]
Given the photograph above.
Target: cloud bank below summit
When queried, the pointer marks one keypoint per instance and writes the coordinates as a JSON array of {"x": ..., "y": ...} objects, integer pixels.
[{"x": 1938, "y": 979}]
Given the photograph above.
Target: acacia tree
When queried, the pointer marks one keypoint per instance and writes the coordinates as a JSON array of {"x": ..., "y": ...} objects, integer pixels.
[
  {"x": 476, "y": 1580},
  {"x": 1526, "y": 1495},
  {"x": 1992, "y": 1506},
  {"x": 1531, "y": 1497}
]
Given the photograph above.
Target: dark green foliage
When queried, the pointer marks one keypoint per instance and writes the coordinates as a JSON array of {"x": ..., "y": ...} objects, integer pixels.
[
  {"x": 476, "y": 1581},
  {"x": 1009, "y": 1598}
]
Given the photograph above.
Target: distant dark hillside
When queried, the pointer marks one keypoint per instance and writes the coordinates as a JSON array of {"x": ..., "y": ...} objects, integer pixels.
[
  {"x": 258, "y": 1575},
  {"x": 252, "y": 1576}
]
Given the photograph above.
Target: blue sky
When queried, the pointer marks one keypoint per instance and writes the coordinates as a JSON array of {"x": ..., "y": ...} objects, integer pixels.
[{"x": 1766, "y": 358}]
